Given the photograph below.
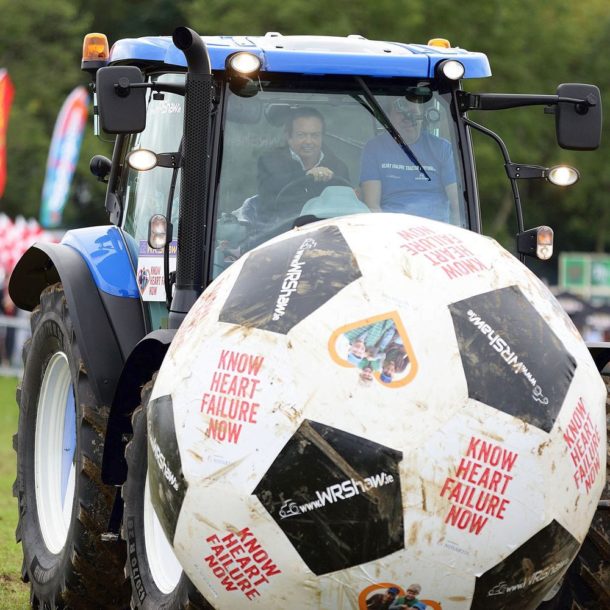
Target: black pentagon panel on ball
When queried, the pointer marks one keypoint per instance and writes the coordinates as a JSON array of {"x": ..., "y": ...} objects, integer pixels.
[
  {"x": 336, "y": 496},
  {"x": 526, "y": 576},
  {"x": 282, "y": 283},
  {"x": 512, "y": 359},
  {"x": 167, "y": 483}
]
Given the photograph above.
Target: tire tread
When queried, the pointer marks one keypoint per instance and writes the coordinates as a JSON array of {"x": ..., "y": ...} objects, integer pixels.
[
  {"x": 92, "y": 575},
  {"x": 185, "y": 596}
]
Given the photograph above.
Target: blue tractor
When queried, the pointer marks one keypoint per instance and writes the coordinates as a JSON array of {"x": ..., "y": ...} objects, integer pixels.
[{"x": 197, "y": 181}]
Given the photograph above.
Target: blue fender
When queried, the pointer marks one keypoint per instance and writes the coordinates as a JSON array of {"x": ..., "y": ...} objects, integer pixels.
[
  {"x": 106, "y": 251},
  {"x": 96, "y": 270}
]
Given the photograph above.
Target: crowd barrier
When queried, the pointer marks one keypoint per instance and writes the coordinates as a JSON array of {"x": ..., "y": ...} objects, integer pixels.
[{"x": 10, "y": 349}]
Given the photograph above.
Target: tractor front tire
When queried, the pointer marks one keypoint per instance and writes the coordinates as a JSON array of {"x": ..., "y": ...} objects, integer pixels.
[
  {"x": 157, "y": 579},
  {"x": 64, "y": 507}
]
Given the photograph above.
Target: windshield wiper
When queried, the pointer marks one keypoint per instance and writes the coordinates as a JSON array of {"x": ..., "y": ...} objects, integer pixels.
[{"x": 378, "y": 112}]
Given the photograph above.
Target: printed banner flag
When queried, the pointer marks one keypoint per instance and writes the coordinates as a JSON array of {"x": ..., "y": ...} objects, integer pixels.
[
  {"x": 16, "y": 236},
  {"x": 63, "y": 156},
  {"x": 6, "y": 97}
]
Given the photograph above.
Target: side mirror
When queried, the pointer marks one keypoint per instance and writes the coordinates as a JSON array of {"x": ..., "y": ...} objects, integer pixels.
[
  {"x": 579, "y": 126},
  {"x": 121, "y": 105}
]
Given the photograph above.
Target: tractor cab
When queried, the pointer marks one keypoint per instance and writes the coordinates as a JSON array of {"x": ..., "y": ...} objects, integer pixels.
[
  {"x": 297, "y": 150},
  {"x": 293, "y": 129}
]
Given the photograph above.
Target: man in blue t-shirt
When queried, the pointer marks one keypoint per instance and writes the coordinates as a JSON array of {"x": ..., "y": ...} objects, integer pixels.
[{"x": 392, "y": 182}]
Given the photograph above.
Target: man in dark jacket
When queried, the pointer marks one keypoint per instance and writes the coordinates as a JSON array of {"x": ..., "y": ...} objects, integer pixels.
[{"x": 302, "y": 156}]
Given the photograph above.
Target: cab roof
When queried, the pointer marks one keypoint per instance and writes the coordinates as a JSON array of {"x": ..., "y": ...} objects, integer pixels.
[{"x": 309, "y": 55}]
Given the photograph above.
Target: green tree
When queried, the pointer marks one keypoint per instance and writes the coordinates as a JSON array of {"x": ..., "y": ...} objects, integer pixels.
[
  {"x": 40, "y": 46},
  {"x": 119, "y": 19},
  {"x": 341, "y": 18}
]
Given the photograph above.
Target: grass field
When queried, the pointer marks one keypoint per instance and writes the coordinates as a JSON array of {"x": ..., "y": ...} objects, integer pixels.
[{"x": 14, "y": 595}]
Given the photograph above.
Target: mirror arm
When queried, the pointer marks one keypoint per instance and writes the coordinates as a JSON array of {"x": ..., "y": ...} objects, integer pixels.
[
  {"x": 500, "y": 101},
  {"x": 507, "y": 164},
  {"x": 519, "y": 171},
  {"x": 173, "y": 160},
  {"x": 123, "y": 88}
]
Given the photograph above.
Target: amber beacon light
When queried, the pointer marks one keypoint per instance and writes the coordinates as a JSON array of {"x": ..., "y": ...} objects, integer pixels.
[{"x": 95, "y": 51}]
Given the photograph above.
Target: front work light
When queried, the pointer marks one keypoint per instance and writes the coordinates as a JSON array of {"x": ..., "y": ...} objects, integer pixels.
[
  {"x": 562, "y": 175},
  {"x": 244, "y": 64},
  {"x": 142, "y": 159},
  {"x": 451, "y": 69},
  {"x": 157, "y": 231}
]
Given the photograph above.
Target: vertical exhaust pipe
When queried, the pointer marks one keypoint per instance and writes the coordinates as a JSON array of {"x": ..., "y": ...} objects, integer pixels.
[{"x": 195, "y": 188}]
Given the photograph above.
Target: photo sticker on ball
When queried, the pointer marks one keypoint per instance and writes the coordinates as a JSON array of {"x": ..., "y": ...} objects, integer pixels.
[
  {"x": 378, "y": 348},
  {"x": 383, "y": 595},
  {"x": 379, "y": 595}
]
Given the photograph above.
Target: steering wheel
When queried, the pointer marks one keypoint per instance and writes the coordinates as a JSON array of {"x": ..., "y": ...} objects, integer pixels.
[{"x": 335, "y": 180}]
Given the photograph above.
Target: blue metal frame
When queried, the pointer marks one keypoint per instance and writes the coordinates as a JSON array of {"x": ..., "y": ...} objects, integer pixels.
[
  {"x": 107, "y": 257},
  {"x": 311, "y": 55}
]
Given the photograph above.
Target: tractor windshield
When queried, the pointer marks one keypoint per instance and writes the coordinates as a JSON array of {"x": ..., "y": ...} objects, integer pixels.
[
  {"x": 300, "y": 151},
  {"x": 294, "y": 151}
]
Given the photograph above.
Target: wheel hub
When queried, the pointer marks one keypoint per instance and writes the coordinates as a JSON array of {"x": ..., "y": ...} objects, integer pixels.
[
  {"x": 163, "y": 563},
  {"x": 54, "y": 453}
]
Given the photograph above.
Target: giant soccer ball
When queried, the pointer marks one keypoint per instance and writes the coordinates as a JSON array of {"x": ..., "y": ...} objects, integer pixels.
[{"x": 374, "y": 401}]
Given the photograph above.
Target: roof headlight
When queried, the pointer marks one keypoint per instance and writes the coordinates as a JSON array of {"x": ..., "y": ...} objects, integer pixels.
[
  {"x": 244, "y": 64},
  {"x": 452, "y": 69}
]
